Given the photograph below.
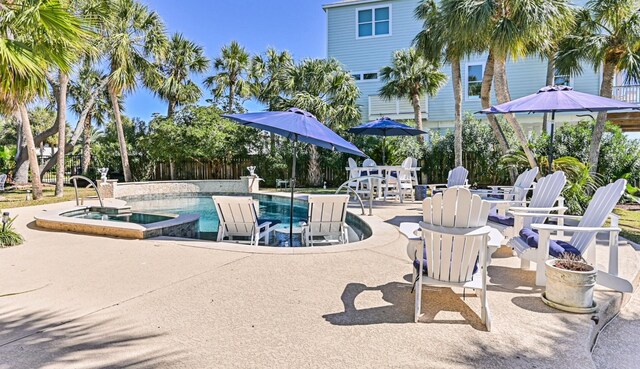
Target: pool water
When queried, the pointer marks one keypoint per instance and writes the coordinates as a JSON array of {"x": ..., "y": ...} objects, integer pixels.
[
  {"x": 269, "y": 208},
  {"x": 137, "y": 218}
]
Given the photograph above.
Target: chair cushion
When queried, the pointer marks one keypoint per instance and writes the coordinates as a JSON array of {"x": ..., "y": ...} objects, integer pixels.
[
  {"x": 508, "y": 221},
  {"x": 496, "y": 196},
  {"x": 556, "y": 247},
  {"x": 416, "y": 263}
]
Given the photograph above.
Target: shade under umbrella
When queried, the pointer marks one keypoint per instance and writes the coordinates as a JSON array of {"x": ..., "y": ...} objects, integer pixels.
[
  {"x": 552, "y": 99},
  {"x": 296, "y": 125},
  {"x": 385, "y": 127}
]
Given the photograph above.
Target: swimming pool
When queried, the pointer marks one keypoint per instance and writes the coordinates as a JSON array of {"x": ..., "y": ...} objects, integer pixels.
[{"x": 270, "y": 207}]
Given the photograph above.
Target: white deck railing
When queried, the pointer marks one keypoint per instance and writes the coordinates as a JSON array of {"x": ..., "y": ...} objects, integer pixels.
[
  {"x": 394, "y": 108},
  {"x": 627, "y": 93}
]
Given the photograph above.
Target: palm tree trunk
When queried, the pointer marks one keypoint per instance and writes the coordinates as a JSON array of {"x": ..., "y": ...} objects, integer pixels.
[
  {"x": 417, "y": 114},
  {"x": 606, "y": 90},
  {"x": 551, "y": 74},
  {"x": 21, "y": 173},
  {"x": 86, "y": 145},
  {"x": 503, "y": 96},
  {"x": 124, "y": 155},
  {"x": 63, "y": 82},
  {"x": 456, "y": 77},
  {"x": 314, "y": 176},
  {"x": 31, "y": 151},
  {"x": 171, "y": 108},
  {"x": 232, "y": 89},
  {"x": 485, "y": 100}
]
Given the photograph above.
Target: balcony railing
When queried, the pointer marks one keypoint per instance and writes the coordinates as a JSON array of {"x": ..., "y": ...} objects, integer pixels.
[
  {"x": 627, "y": 93},
  {"x": 394, "y": 109}
]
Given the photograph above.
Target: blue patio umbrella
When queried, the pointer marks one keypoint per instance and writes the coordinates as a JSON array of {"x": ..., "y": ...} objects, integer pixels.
[
  {"x": 385, "y": 127},
  {"x": 552, "y": 99},
  {"x": 296, "y": 125}
]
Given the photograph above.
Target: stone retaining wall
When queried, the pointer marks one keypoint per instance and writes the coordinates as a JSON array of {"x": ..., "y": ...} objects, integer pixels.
[{"x": 243, "y": 185}]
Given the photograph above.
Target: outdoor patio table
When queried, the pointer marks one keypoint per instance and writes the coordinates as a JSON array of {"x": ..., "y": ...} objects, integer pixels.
[{"x": 382, "y": 170}]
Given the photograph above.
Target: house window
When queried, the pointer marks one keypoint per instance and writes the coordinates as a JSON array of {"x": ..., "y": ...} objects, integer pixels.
[
  {"x": 357, "y": 76},
  {"x": 474, "y": 80},
  {"x": 369, "y": 76},
  {"x": 562, "y": 80},
  {"x": 372, "y": 22}
]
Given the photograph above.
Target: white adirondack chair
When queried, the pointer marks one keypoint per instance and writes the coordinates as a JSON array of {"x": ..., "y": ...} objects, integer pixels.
[
  {"x": 327, "y": 219},
  {"x": 583, "y": 235},
  {"x": 456, "y": 177},
  {"x": 455, "y": 238},
  {"x": 238, "y": 218},
  {"x": 545, "y": 196},
  {"x": 517, "y": 192}
]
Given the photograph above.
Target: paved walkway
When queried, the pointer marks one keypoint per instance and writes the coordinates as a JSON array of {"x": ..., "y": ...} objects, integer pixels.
[{"x": 69, "y": 300}]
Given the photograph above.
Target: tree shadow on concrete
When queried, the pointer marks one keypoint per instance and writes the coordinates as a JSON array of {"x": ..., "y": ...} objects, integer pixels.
[
  {"x": 397, "y": 306},
  {"x": 33, "y": 339}
]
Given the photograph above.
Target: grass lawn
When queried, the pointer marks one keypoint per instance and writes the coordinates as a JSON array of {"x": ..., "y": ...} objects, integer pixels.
[
  {"x": 630, "y": 224},
  {"x": 16, "y": 198}
]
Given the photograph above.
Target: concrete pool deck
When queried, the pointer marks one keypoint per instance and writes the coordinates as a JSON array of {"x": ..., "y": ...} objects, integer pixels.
[{"x": 72, "y": 300}]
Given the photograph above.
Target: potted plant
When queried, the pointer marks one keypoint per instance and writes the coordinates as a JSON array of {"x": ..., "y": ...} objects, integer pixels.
[{"x": 570, "y": 283}]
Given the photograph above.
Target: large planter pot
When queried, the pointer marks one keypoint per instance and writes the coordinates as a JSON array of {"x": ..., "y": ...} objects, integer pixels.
[{"x": 570, "y": 290}]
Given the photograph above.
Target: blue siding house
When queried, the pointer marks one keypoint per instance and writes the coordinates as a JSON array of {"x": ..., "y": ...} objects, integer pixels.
[{"x": 363, "y": 34}]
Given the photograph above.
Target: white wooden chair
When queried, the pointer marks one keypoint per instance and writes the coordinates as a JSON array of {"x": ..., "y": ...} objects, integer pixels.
[
  {"x": 517, "y": 192},
  {"x": 359, "y": 186},
  {"x": 456, "y": 177},
  {"x": 455, "y": 239},
  {"x": 545, "y": 199},
  {"x": 327, "y": 219},
  {"x": 538, "y": 247},
  {"x": 400, "y": 186},
  {"x": 238, "y": 218}
]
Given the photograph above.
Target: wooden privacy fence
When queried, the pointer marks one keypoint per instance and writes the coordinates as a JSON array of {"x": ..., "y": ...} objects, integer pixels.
[{"x": 185, "y": 170}]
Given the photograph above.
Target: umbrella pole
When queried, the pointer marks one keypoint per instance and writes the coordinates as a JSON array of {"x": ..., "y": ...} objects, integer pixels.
[
  {"x": 550, "y": 153},
  {"x": 384, "y": 144},
  {"x": 292, "y": 184}
]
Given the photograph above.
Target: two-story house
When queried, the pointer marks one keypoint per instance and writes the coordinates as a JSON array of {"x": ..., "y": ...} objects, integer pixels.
[{"x": 363, "y": 34}]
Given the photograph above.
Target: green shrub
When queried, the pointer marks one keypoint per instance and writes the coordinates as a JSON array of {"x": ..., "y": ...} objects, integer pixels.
[{"x": 8, "y": 235}]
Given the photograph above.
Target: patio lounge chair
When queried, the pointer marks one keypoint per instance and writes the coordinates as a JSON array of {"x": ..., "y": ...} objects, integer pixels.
[
  {"x": 238, "y": 218},
  {"x": 455, "y": 239},
  {"x": 538, "y": 246},
  {"x": 517, "y": 192},
  {"x": 326, "y": 219},
  {"x": 543, "y": 201},
  {"x": 457, "y": 177}
]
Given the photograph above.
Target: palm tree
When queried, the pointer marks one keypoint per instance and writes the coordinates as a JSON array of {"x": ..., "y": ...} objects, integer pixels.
[
  {"x": 513, "y": 29},
  {"x": 439, "y": 39},
  {"x": 173, "y": 83},
  {"x": 82, "y": 91},
  {"x": 35, "y": 35},
  {"x": 323, "y": 88},
  {"x": 268, "y": 75},
  {"x": 411, "y": 76},
  {"x": 606, "y": 35},
  {"x": 231, "y": 80},
  {"x": 133, "y": 34}
]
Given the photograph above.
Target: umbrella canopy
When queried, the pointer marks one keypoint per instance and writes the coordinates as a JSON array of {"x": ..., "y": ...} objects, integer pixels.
[
  {"x": 385, "y": 127},
  {"x": 297, "y": 125},
  {"x": 552, "y": 99}
]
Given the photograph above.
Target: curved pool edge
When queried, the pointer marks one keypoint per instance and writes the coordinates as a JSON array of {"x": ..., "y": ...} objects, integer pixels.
[{"x": 382, "y": 234}]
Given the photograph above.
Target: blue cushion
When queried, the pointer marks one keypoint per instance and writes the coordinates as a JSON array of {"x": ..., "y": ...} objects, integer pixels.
[
  {"x": 496, "y": 196},
  {"x": 556, "y": 247},
  {"x": 508, "y": 221},
  {"x": 416, "y": 263}
]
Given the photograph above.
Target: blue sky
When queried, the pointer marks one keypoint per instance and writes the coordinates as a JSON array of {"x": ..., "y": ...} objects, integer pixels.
[{"x": 296, "y": 25}]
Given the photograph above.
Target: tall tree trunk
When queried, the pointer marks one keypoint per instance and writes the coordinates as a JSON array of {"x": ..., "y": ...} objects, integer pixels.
[
  {"x": 31, "y": 151},
  {"x": 551, "y": 76},
  {"x": 503, "y": 96},
  {"x": 171, "y": 108},
  {"x": 456, "y": 77},
  {"x": 232, "y": 91},
  {"x": 606, "y": 90},
  {"x": 124, "y": 155},
  {"x": 315, "y": 176},
  {"x": 485, "y": 100},
  {"x": 61, "y": 99},
  {"x": 86, "y": 145},
  {"x": 21, "y": 173},
  {"x": 417, "y": 114}
]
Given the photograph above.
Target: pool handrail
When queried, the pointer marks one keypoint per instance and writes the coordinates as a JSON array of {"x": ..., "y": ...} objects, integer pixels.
[
  {"x": 91, "y": 184},
  {"x": 358, "y": 179}
]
